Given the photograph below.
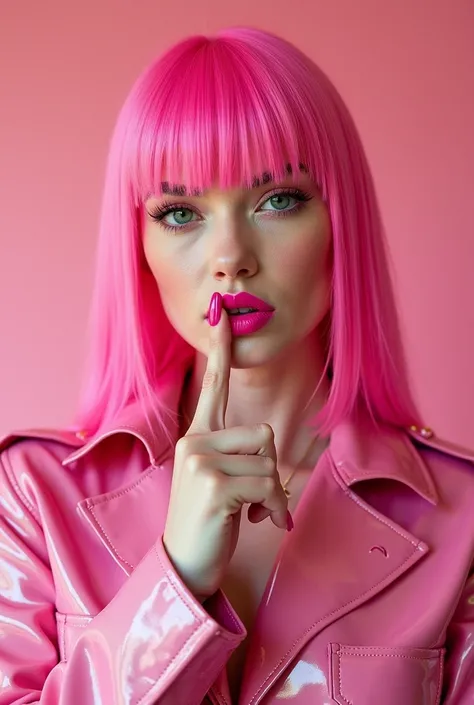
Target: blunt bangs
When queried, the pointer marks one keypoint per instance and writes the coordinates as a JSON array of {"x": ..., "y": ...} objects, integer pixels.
[{"x": 216, "y": 116}]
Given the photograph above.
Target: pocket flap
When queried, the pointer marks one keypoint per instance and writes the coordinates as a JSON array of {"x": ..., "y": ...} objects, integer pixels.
[{"x": 370, "y": 675}]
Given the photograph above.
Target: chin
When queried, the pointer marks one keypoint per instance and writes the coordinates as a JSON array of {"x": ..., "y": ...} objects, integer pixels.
[{"x": 253, "y": 351}]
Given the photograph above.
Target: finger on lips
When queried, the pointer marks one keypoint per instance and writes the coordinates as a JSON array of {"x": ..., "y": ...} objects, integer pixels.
[{"x": 245, "y": 453}]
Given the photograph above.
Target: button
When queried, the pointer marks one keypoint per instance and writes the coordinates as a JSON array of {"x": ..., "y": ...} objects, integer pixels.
[
  {"x": 82, "y": 435},
  {"x": 426, "y": 432}
]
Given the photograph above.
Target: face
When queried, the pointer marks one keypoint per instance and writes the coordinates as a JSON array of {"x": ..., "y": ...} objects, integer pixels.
[{"x": 273, "y": 241}]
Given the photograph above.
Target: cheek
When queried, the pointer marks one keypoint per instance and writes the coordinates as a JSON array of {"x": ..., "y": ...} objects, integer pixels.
[
  {"x": 306, "y": 270},
  {"x": 174, "y": 272},
  {"x": 165, "y": 263},
  {"x": 307, "y": 261}
]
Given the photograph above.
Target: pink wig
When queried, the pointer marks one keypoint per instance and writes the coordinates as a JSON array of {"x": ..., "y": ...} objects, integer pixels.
[{"x": 219, "y": 111}]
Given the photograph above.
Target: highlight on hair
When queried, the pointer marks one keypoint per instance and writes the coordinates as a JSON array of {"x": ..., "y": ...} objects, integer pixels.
[{"x": 216, "y": 111}]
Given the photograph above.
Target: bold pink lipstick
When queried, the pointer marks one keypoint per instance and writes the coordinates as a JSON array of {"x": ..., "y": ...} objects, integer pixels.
[{"x": 247, "y": 313}]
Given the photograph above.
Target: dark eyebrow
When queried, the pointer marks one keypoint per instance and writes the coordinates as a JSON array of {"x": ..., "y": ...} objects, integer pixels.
[{"x": 266, "y": 178}]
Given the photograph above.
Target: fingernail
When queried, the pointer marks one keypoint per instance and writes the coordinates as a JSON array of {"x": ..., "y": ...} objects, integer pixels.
[
  {"x": 215, "y": 309},
  {"x": 289, "y": 521}
]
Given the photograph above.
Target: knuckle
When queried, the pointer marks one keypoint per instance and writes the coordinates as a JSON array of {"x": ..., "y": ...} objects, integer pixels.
[
  {"x": 266, "y": 432},
  {"x": 269, "y": 465},
  {"x": 269, "y": 485},
  {"x": 194, "y": 464},
  {"x": 210, "y": 380},
  {"x": 182, "y": 447},
  {"x": 214, "y": 344},
  {"x": 213, "y": 484}
]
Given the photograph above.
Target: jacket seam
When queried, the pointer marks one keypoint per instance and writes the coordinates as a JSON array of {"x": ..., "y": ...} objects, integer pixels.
[
  {"x": 109, "y": 540},
  {"x": 63, "y": 639},
  {"x": 188, "y": 604},
  {"x": 122, "y": 492},
  {"x": 339, "y": 675},
  {"x": 194, "y": 635},
  {"x": 354, "y": 497},
  {"x": 385, "y": 654}
]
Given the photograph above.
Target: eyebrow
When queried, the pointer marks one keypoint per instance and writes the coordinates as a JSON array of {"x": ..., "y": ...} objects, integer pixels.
[{"x": 266, "y": 178}]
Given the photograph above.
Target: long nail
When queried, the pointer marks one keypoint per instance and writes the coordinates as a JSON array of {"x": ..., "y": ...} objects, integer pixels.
[
  {"x": 289, "y": 521},
  {"x": 215, "y": 309}
]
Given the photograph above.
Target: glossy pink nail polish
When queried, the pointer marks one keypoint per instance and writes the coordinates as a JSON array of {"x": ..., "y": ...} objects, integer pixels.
[
  {"x": 215, "y": 309},
  {"x": 289, "y": 522}
]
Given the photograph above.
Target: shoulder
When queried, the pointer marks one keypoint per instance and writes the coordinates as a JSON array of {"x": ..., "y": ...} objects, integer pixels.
[
  {"x": 426, "y": 439},
  {"x": 450, "y": 464},
  {"x": 29, "y": 448},
  {"x": 36, "y": 438}
]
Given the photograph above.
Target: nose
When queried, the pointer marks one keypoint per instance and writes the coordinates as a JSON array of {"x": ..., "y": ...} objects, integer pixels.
[{"x": 232, "y": 256}]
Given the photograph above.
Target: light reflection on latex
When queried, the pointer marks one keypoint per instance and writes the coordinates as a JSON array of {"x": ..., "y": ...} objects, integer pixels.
[
  {"x": 11, "y": 547},
  {"x": 150, "y": 638},
  {"x": 18, "y": 628},
  {"x": 95, "y": 684},
  {"x": 302, "y": 675},
  {"x": 12, "y": 583},
  {"x": 63, "y": 572}
]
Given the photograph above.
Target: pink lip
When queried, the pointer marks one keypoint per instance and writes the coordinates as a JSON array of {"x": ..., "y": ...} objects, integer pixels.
[
  {"x": 247, "y": 323},
  {"x": 245, "y": 300}
]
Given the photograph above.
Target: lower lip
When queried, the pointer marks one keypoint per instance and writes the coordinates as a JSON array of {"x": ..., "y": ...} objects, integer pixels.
[{"x": 247, "y": 323}]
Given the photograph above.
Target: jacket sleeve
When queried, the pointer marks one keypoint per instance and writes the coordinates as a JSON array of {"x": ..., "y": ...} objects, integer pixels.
[
  {"x": 154, "y": 643},
  {"x": 459, "y": 666}
]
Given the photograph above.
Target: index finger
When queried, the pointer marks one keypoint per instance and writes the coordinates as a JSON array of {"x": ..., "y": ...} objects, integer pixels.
[{"x": 212, "y": 403}]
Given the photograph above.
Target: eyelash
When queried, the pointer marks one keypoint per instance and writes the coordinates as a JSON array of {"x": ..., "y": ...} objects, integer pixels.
[{"x": 161, "y": 211}]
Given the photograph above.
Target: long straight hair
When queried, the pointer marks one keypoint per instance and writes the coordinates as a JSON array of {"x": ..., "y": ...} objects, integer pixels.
[{"x": 218, "y": 111}]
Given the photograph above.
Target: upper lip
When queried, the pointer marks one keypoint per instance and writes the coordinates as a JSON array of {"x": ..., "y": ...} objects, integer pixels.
[{"x": 245, "y": 300}]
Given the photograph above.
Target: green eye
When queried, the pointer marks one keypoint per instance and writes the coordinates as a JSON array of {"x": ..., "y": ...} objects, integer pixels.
[
  {"x": 182, "y": 216},
  {"x": 280, "y": 201}
]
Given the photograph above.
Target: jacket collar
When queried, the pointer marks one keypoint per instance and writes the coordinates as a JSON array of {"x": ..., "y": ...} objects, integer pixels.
[
  {"x": 158, "y": 440},
  {"x": 360, "y": 450}
]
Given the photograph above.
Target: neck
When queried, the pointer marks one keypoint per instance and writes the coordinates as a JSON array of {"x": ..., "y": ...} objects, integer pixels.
[{"x": 280, "y": 393}]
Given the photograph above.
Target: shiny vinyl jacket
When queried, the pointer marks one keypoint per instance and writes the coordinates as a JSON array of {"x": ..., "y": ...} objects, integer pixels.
[{"x": 371, "y": 600}]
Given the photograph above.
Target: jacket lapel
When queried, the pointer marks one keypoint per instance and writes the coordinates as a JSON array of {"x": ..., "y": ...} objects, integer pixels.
[
  {"x": 129, "y": 521},
  {"x": 340, "y": 554}
]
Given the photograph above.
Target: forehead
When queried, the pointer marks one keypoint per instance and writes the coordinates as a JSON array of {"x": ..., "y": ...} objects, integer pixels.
[{"x": 263, "y": 179}]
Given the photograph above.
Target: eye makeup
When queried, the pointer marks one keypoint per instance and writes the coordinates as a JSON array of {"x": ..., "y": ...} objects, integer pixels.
[{"x": 160, "y": 211}]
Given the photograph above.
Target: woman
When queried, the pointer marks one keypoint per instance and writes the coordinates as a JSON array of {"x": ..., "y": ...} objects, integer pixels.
[{"x": 244, "y": 355}]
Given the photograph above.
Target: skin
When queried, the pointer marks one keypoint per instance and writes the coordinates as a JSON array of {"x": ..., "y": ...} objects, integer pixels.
[
  {"x": 236, "y": 240},
  {"x": 248, "y": 396}
]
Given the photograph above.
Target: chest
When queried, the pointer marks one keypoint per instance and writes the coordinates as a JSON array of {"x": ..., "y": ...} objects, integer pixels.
[{"x": 249, "y": 572}]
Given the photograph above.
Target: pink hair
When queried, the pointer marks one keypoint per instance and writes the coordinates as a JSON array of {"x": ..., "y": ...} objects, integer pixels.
[{"x": 219, "y": 111}]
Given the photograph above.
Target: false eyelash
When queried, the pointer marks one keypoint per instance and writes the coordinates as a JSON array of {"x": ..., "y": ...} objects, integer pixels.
[{"x": 160, "y": 211}]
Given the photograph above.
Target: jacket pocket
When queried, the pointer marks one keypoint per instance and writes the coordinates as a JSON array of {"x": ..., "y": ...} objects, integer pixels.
[
  {"x": 370, "y": 675},
  {"x": 70, "y": 626}
]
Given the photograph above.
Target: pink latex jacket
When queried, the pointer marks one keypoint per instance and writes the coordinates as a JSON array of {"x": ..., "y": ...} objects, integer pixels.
[{"x": 371, "y": 600}]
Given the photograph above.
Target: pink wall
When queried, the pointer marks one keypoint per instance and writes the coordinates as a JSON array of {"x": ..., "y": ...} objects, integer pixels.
[{"x": 405, "y": 69}]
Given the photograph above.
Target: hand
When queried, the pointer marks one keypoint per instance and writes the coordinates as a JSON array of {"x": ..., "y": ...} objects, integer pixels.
[{"x": 216, "y": 471}]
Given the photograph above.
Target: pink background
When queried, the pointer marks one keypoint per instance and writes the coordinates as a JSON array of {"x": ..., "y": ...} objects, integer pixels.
[{"x": 405, "y": 70}]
